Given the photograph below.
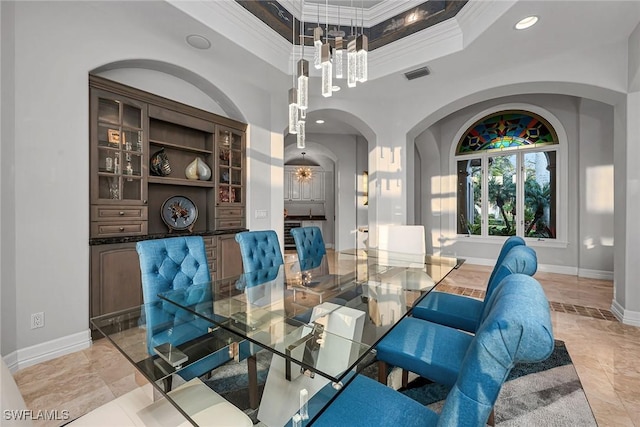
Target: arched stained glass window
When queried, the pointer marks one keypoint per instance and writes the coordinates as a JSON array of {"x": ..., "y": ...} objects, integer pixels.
[
  {"x": 505, "y": 130},
  {"x": 507, "y": 176}
]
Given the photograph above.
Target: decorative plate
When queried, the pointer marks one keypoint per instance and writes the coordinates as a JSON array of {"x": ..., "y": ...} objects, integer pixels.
[{"x": 179, "y": 213}]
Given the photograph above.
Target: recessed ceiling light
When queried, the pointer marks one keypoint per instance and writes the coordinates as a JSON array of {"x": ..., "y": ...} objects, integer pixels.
[
  {"x": 526, "y": 22},
  {"x": 335, "y": 88},
  {"x": 199, "y": 42},
  {"x": 319, "y": 121}
]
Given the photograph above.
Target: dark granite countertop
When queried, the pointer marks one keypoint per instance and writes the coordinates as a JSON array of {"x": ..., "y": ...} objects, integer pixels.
[
  {"x": 305, "y": 218},
  {"x": 129, "y": 239}
]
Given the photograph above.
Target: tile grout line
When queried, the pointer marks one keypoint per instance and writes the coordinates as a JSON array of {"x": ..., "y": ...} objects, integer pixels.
[{"x": 592, "y": 312}]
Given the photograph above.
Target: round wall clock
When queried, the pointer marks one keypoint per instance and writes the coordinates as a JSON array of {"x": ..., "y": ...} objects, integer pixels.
[{"x": 179, "y": 213}]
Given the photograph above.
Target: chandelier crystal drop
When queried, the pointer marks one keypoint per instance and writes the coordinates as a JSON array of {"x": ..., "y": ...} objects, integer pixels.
[
  {"x": 301, "y": 136},
  {"x": 293, "y": 110},
  {"x": 338, "y": 58},
  {"x": 362, "y": 46},
  {"x": 330, "y": 46},
  {"x": 317, "y": 48},
  {"x": 303, "y": 84},
  {"x": 351, "y": 63},
  {"x": 327, "y": 71}
]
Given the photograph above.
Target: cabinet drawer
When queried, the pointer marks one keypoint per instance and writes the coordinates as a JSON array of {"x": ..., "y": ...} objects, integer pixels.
[
  {"x": 229, "y": 224},
  {"x": 106, "y": 229},
  {"x": 117, "y": 213},
  {"x": 237, "y": 212}
]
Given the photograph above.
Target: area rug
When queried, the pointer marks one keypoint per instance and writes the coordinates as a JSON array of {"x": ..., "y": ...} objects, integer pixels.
[{"x": 547, "y": 394}]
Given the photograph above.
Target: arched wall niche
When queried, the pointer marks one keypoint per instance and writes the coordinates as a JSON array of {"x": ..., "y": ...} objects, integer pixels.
[{"x": 225, "y": 106}]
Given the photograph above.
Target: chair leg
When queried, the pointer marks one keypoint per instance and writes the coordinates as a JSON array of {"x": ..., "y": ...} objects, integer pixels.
[
  {"x": 382, "y": 372},
  {"x": 405, "y": 378},
  {"x": 252, "y": 367},
  {"x": 492, "y": 418}
]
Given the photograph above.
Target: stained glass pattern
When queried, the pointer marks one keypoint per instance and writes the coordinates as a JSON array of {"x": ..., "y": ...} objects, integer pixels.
[{"x": 505, "y": 130}]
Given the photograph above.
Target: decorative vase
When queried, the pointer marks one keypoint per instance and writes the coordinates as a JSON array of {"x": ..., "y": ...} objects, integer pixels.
[
  {"x": 198, "y": 169},
  {"x": 159, "y": 163}
]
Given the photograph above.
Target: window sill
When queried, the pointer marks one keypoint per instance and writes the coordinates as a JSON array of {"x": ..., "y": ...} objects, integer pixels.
[{"x": 533, "y": 242}]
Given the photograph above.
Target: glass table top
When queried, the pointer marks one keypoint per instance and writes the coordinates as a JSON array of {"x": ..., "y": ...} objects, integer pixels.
[{"x": 318, "y": 319}]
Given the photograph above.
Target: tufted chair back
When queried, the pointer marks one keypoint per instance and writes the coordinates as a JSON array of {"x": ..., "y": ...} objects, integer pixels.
[
  {"x": 517, "y": 329},
  {"x": 309, "y": 245},
  {"x": 508, "y": 244},
  {"x": 167, "y": 264},
  {"x": 520, "y": 259},
  {"x": 260, "y": 250}
]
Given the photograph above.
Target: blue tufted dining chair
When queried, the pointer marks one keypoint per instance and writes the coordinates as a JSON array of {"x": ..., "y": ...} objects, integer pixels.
[
  {"x": 312, "y": 255},
  {"x": 516, "y": 328},
  {"x": 441, "y": 367},
  {"x": 176, "y": 263},
  {"x": 260, "y": 250},
  {"x": 463, "y": 312},
  {"x": 309, "y": 246}
]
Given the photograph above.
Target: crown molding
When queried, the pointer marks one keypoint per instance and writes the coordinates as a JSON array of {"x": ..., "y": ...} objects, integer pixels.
[
  {"x": 478, "y": 15},
  {"x": 234, "y": 22},
  {"x": 369, "y": 16},
  {"x": 419, "y": 48}
]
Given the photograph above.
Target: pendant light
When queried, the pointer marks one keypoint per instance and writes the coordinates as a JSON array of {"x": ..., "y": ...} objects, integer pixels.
[
  {"x": 293, "y": 110},
  {"x": 293, "y": 93},
  {"x": 351, "y": 63},
  {"x": 325, "y": 58},
  {"x": 303, "y": 83},
  {"x": 327, "y": 71},
  {"x": 361, "y": 48},
  {"x": 338, "y": 58},
  {"x": 301, "y": 137}
]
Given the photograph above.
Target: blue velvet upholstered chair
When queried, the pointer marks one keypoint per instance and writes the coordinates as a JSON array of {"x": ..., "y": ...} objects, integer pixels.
[
  {"x": 176, "y": 263},
  {"x": 463, "y": 312},
  {"x": 312, "y": 256},
  {"x": 516, "y": 328},
  {"x": 309, "y": 246},
  {"x": 260, "y": 250}
]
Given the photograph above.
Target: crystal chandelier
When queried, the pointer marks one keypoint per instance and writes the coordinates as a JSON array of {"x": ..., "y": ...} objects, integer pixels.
[{"x": 328, "y": 57}]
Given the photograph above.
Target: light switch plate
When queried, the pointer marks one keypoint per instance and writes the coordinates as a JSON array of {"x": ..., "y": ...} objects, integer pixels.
[{"x": 261, "y": 213}]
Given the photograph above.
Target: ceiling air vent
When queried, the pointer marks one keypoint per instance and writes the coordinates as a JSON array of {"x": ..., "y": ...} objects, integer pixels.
[{"x": 418, "y": 72}]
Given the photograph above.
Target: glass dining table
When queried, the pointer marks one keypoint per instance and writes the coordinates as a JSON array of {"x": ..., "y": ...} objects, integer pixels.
[{"x": 295, "y": 335}]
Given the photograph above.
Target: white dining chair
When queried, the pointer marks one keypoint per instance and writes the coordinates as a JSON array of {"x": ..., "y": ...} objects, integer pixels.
[{"x": 403, "y": 243}]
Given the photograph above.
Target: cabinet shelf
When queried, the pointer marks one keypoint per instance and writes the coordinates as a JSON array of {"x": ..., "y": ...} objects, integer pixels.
[
  {"x": 179, "y": 147},
  {"x": 180, "y": 181}
]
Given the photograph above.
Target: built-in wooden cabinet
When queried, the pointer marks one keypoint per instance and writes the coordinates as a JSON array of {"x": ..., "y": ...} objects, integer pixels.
[
  {"x": 308, "y": 191},
  {"x": 128, "y": 127},
  {"x": 118, "y": 164},
  {"x": 115, "y": 273}
]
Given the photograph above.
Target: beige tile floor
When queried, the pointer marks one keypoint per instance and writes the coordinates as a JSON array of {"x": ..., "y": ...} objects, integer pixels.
[{"x": 605, "y": 354}]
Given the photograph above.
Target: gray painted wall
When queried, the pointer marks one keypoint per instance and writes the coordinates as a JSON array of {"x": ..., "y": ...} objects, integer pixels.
[{"x": 589, "y": 229}]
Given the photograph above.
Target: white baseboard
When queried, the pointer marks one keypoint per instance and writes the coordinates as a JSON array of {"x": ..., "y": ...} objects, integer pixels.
[
  {"x": 595, "y": 274},
  {"x": 627, "y": 317},
  {"x": 550, "y": 268},
  {"x": 39, "y": 353}
]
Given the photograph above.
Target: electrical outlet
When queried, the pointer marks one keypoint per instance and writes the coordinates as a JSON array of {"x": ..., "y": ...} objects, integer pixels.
[{"x": 37, "y": 320}]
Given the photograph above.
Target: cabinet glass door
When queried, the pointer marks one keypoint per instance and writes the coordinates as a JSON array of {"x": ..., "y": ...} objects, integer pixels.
[
  {"x": 230, "y": 164},
  {"x": 119, "y": 150}
]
